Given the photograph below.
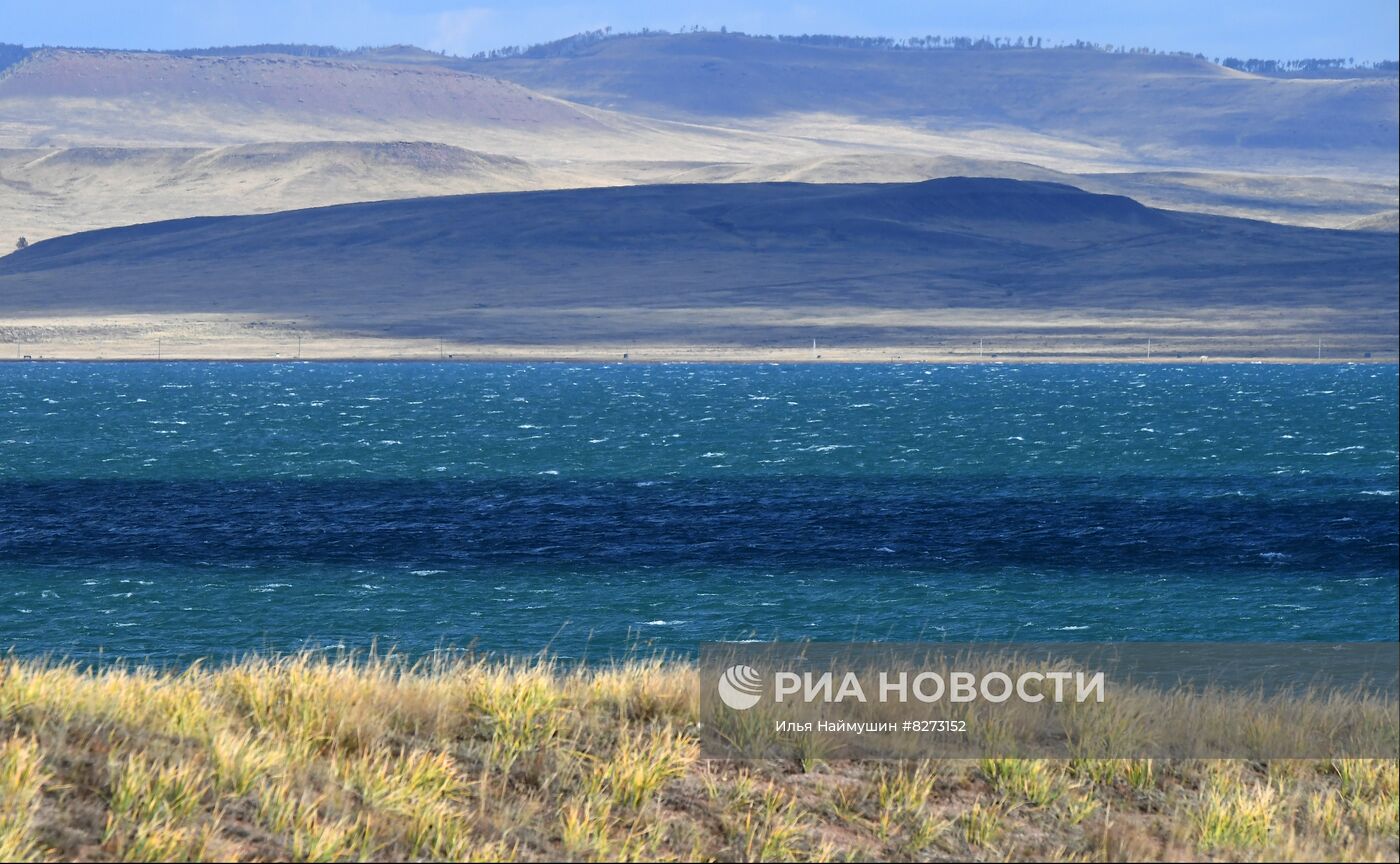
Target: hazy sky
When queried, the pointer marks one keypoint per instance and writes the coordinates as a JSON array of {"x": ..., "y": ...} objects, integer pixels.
[{"x": 1364, "y": 29}]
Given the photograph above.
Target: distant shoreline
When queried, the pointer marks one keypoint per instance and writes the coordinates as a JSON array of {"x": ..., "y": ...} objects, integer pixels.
[
  {"x": 688, "y": 336},
  {"x": 743, "y": 360}
]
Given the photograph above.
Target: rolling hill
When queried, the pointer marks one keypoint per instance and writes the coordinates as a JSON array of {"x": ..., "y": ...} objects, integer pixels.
[
  {"x": 233, "y": 95},
  {"x": 98, "y": 138},
  {"x": 1158, "y": 108},
  {"x": 748, "y": 270},
  {"x": 91, "y": 139}
]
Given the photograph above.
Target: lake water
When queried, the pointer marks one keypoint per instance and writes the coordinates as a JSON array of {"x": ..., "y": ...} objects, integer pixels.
[{"x": 170, "y": 511}]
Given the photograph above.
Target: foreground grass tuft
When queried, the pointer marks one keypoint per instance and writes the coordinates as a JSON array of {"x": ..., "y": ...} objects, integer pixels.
[{"x": 322, "y": 759}]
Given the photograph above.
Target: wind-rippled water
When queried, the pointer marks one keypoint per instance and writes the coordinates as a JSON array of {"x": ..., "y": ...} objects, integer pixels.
[{"x": 169, "y": 511}]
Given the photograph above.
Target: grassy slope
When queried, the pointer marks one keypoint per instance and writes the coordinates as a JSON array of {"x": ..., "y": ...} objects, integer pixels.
[
  {"x": 759, "y": 266},
  {"x": 1160, "y": 105},
  {"x": 106, "y": 138},
  {"x": 55, "y": 191},
  {"x": 313, "y": 759},
  {"x": 94, "y": 139}
]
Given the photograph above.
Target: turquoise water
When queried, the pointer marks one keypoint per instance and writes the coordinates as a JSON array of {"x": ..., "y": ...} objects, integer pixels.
[{"x": 169, "y": 511}]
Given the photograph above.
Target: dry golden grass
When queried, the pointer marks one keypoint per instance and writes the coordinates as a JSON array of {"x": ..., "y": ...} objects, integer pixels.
[{"x": 320, "y": 759}]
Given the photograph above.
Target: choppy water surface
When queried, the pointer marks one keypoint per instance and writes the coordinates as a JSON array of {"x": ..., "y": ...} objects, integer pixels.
[{"x": 169, "y": 511}]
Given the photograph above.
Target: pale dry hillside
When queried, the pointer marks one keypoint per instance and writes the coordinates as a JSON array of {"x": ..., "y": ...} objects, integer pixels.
[
  {"x": 119, "y": 98},
  {"x": 1156, "y": 108},
  {"x": 1387, "y": 222},
  {"x": 92, "y": 139}
]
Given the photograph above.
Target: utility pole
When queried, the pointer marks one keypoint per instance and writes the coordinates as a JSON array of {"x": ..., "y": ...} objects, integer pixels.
[
  {"x": 157, "y": 347},
  {"x": 298, "y": 346},
  {"x": 1319, "y": 347},
  {"x": 979, "y": 349},
  {"x": 1149, "y": 348}
]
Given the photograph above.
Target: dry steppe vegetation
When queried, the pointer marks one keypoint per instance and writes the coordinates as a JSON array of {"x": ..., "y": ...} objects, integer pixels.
[{"x": 320, "y": 758}]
